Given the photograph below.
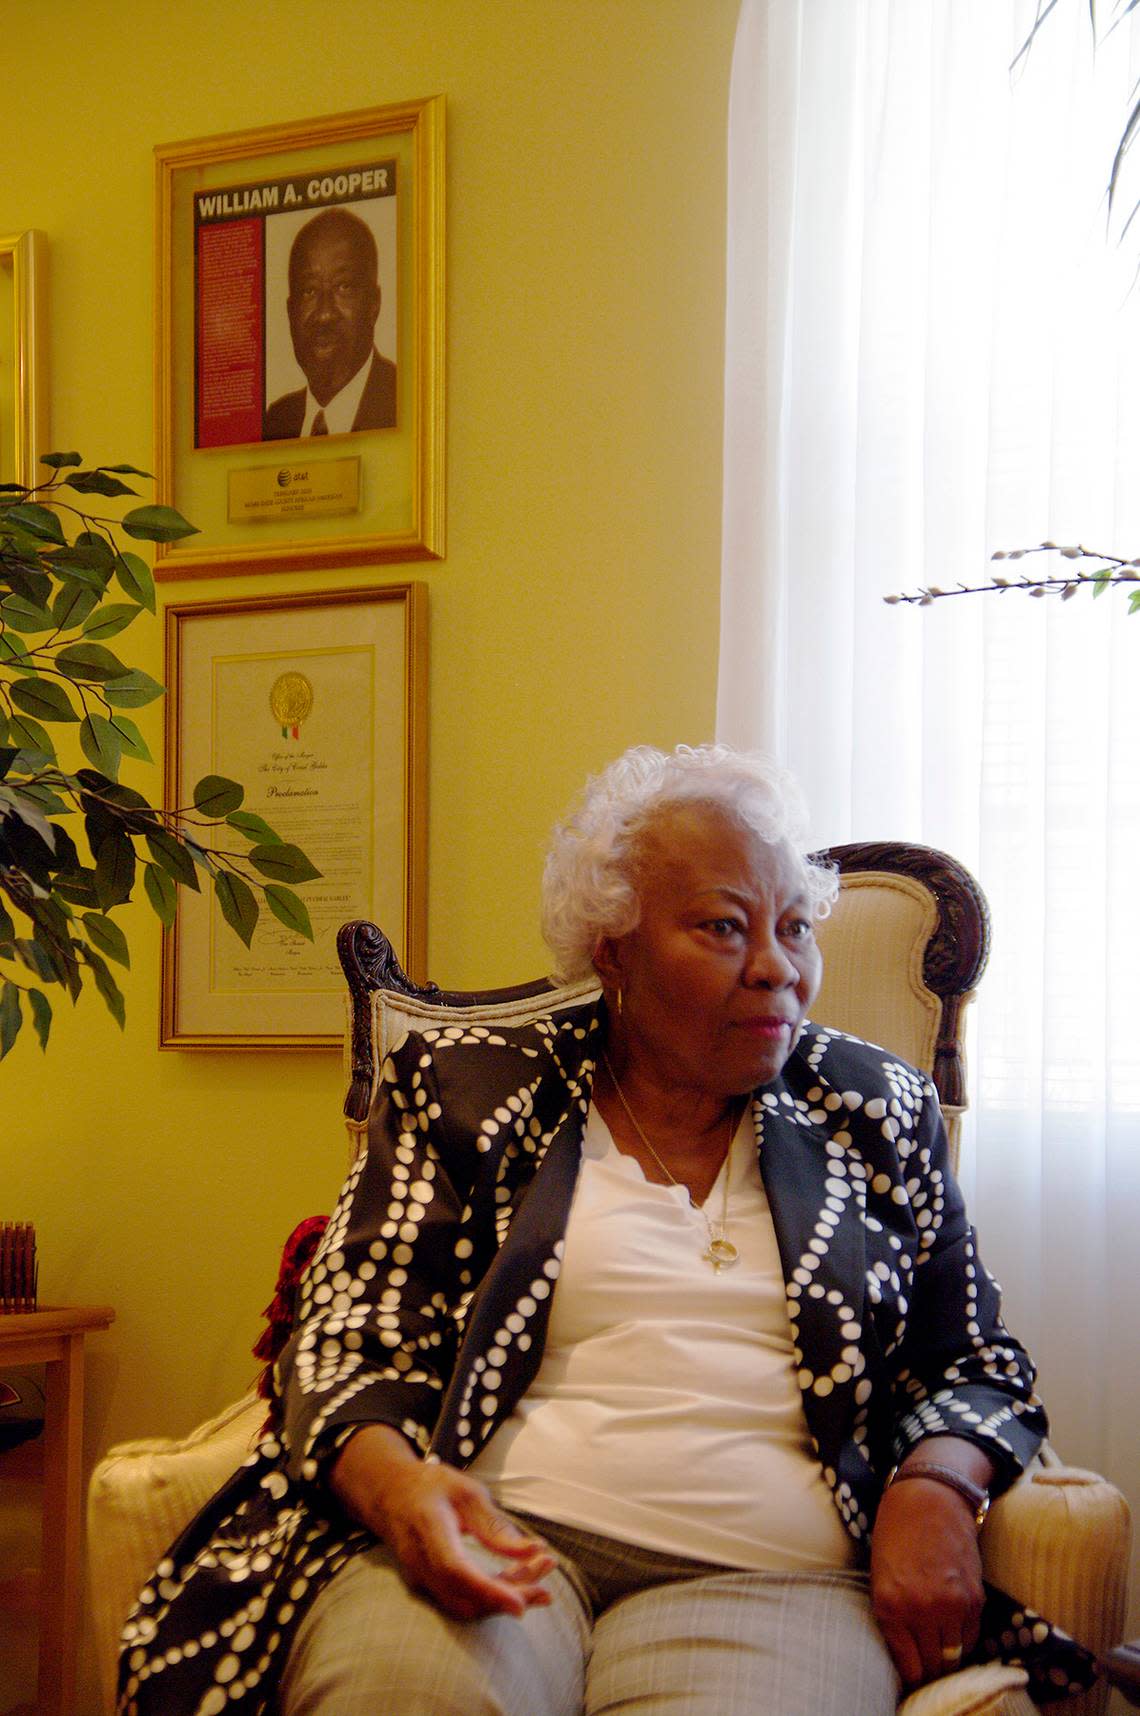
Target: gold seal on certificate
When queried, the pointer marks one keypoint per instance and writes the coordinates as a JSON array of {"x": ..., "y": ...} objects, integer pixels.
[{"x": 291, "y": 700}]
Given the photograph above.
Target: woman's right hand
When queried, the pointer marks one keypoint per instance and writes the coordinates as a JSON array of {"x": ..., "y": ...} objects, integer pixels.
[{"x": 423, "y": 1513}]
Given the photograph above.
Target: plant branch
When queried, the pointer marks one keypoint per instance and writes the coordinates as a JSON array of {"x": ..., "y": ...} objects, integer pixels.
[{"x": 1110, "y": 570}]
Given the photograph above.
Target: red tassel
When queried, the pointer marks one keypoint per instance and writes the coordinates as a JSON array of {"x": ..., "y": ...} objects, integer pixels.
[{"x": 300, "y": 1248}]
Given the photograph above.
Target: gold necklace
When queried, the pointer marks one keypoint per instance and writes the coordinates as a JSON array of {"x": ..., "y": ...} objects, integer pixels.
[{"x": 721, "y": 1252}]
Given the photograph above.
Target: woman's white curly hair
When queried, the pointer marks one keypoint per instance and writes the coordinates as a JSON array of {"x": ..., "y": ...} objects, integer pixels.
[{"x": 589, "y": 882}]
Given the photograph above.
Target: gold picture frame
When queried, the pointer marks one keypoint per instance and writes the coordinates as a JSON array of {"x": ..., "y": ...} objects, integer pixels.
[
  {"x": 23, "y": 356},
  {"x": 236, "y": 453},
  {"x": 316, "y": 703}
]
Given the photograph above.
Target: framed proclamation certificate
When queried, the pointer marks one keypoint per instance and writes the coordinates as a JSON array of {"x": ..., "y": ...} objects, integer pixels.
[{"x": 317, "y": 704}]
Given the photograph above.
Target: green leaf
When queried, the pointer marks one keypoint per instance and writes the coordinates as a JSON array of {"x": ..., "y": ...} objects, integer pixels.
[
  {"x": 31, "y": 740},
  {"x": 7, "y": 926},
  {"x": 7, "y": 757},
  {"x": 1134, "y": 602},
  {"x": 98, "y": 483},
  {"x": 238, "y": 903},
  {"x": 200, "y": 855},
  {"x": 10, "y": 1017},
  {"x": 30, "y": 736},
  {"x": 28, "y": 855},
  {"x": 41, "y": 1015},
  {"x": 157, "y": 524},
  {"x": 59, "y": 461},
  {"x": 12, "y": 799},
  {"x": 13, "y": 653},
  {"x": 97, "y": 785},
  {"x": 108, "y": 621},
  {"x": 107, "y": 936},
  {"x": 283, "y": 862},
  {"x": 44, "y": 699},
  {"x": 253, "y": 827},
  {"x": 214, "y": 795},
  {"x": 101, "y": 743},
  {"x": 132, "y": 809},
  {"x": 73, "y": 603},
  {"x": 90, "y": 661},
  {"x": 106, "y": 985},
  {"x": 133, "y": 690},
  {"x": 161, "y": 893},
  {"x": 35, "y": 956},
  {"x": 99, "y": 819},
  {"x": 78, "y": 886},
  {"x": 84, "y": 565},
  {"x": 114, "y": 870},
  {"x": 25, "y": 616},
  {"x": 131, "y": 739},
  {"x": 1101, "y": 581},
  {"x": 171, "y": 856},
  {"x": 66, "y": 856},
  {"x": 137, "y": 580},
  {"x": 34, "y": 587},
  {"x": 38, "y": 521},
  {"x": 101, "y": 551},
  {"x": 289, "y": 908},
  {"x": 53, "y": 932},
  {"x": 21, "y": 557},
  {"x": 44, "y": 798}
]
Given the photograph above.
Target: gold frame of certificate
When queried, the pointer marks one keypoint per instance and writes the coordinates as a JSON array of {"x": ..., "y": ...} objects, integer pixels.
[
  {"x": 299, "y": 267},
  {"x": 317, "y": 704},
  {"x": 23, "y": 365}
]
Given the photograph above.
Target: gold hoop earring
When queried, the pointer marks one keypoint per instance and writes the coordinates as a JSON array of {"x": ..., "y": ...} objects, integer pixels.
[{"x": 617, "y": 1007}]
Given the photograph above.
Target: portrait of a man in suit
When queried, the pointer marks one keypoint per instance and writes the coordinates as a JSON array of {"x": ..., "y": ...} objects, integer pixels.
[{"x": 333, "y": 303}]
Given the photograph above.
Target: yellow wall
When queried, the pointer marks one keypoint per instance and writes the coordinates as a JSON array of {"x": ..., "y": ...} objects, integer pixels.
[{"x": 576, "y": 611}]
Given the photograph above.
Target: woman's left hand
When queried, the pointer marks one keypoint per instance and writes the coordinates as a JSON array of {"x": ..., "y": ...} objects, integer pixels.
[{"x": 926, "y": 1578}]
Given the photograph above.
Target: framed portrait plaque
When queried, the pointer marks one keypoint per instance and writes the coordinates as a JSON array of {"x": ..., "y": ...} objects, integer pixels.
[
  {"x": 317, "y": 705},
  {"x": 23, "y": 357},
  {"x": 299, "y": 359}
]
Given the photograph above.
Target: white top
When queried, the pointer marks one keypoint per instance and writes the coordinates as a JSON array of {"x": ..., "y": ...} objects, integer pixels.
[
  {"x": 666, "y": 1410},
  {"x": 340, "y": 412}
]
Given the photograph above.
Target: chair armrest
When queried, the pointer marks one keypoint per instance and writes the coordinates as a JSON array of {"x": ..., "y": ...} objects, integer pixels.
[
  {"x": 1121, "y": 1667},
  {"x": 142, "y": 1495},
  {"x": 1060, "y": 1540}
]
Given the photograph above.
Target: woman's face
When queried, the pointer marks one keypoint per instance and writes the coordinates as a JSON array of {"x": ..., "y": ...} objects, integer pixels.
[{"x": 719, "y": 974}]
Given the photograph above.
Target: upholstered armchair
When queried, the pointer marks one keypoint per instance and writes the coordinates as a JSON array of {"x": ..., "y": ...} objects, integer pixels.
[{"x": 903, "y": 950}]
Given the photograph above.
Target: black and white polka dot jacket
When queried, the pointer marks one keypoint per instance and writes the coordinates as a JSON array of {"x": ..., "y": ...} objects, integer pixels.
[{"x": 427, "y": 1304}]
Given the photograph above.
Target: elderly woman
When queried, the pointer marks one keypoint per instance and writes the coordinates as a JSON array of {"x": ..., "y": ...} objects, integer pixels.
[{"x": 648, "y": 1362}]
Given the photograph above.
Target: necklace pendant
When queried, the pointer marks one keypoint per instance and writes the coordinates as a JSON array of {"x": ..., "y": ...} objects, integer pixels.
[{"x": 722, "y": 1254}]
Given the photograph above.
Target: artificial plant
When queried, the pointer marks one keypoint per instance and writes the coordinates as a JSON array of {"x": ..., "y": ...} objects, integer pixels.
[
  {"x": 74, "y": 840},
  {"x": 1099, "y": 572}
]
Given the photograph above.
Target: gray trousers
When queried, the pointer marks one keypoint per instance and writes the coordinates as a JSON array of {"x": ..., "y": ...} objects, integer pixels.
[{"x": 627, "y": 1630}]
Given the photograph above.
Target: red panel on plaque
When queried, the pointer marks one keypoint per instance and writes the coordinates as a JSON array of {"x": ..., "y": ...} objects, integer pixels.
[{"x": 230, "y": 347}]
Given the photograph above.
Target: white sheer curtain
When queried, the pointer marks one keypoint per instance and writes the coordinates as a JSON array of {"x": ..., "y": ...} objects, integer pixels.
[{"x": 933, "y": 352}]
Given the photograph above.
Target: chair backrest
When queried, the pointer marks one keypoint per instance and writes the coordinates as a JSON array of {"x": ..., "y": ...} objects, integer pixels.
[{"x": 903, "y": 949}]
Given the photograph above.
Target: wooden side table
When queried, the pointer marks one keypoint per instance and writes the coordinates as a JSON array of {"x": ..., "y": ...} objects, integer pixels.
[{"x": 54, "y": 1337}]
